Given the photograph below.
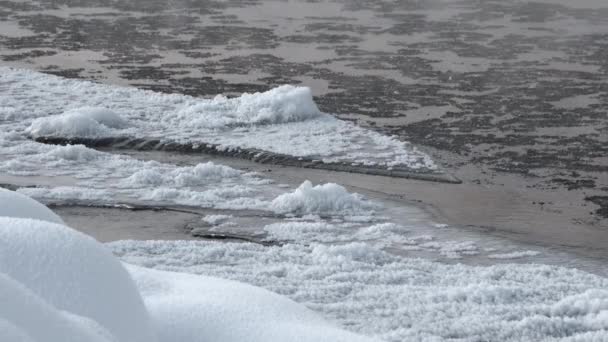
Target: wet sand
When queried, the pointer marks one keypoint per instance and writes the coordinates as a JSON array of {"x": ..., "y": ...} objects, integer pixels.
[{"x": 510, "y": 97}]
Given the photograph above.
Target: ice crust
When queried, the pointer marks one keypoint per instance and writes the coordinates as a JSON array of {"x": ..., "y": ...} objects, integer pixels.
[
  {"x": 283, "y": 120},
  {"x": 57, "y": 284}
]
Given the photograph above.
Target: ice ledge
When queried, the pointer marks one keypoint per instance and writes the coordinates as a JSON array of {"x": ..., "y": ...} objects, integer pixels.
[{"x": 255, "y": 155}]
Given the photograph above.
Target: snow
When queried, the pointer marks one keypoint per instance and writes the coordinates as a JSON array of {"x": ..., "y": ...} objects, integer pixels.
[
  {"x": 13, "y": 204},
  {"x": 283, "y": 120},
  {"x": 341, "y": 258},
  {"x": 215, "y": 220},
  {"x": 401, "y": 299},
  {"x": 514, "y": 255},
  {"x": 326, "y": 199},
  {"x": 201, "y": 174},
  {"x": 74, "y": 273},
  {"x": 57, "y": 284},
  {"x": 187, "y": 307},
  {"x": 279, "y": 105},
  {"x": 24, "y": 316},
  {"x": 78, "y": 122}
]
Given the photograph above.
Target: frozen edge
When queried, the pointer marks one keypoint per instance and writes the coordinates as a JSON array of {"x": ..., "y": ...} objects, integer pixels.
[{"x": 255, "y": 155}]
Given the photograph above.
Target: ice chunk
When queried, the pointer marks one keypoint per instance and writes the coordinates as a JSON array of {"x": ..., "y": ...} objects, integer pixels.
[
  {"x": 328, "y": 199},
  {"x": 14, "y": 204},
  {"x": 80, "y": 122},
  {"x": 278, "y": 105}
]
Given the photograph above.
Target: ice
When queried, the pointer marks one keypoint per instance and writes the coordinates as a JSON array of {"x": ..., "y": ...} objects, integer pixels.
[
  {"x": 514, "y": 255},
  {"x": 326, "y": 199},
  {"x": 279, "y": 105},
  {"x": 215, "y": 220},
  {"x": 13, "y": 204},
  {"x": 401, "y": 299},
  {"x": 283, "y": 120},
  {"x": 201, "y": 174},
  {"x": 79, "y": 122}
]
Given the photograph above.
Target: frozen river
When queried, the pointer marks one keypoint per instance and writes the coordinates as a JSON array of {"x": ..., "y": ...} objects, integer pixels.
[{"x": 435, "y": 171}]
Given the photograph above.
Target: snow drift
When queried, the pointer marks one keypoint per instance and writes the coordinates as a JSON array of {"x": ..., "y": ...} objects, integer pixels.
[
  {"x": 74, "y": 273},
  {"x": 13, "y": 204}
]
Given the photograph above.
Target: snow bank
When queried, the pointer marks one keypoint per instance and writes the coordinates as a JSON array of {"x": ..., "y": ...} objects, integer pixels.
[
  {"x": 192, "y": 308},
  {"x": 26, "y": 317},
  {"x": 14, "y": 204},
  {"x": 278, "y": 105},
  {"x": 79, "y": 122},
  {"x": 74, "y": 273},
  {"x": 326, "y": 199}
]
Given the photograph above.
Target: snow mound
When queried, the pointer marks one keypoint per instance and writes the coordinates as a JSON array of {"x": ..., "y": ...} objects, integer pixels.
[
  {"x": 79, "y": 122},
  {"x": 188, "y": 308},
  {"x": 72, "y": 272},
  {"x": 26, "y": 317},
  {"x": 327, "y": 199},
  {"x": 278, "y": 105},
  {"x": 14, "y": 204}
]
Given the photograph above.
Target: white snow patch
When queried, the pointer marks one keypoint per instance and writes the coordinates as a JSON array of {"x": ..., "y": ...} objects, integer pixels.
[
  {"x": 514, "y": 255},
  {"x": 326, "y": 199},
  {"x": 401, "y": 299},
  {"x": 74, "y": 273},
  {"x": 14, "y": 204},
  {"x": 187, "y": 307},
  {"x": 79, "y": 122},
  {"x": 279, "y": 105},
  {"x": 215, "y": 220}
]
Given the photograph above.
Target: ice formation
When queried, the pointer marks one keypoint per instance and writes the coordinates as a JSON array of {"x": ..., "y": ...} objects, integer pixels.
[
  {"x": 326, "y": 199},
  {"x": 283, "y": 120},
  {"x": 78, "y": 122}
]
